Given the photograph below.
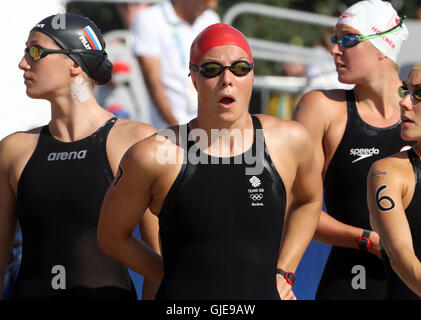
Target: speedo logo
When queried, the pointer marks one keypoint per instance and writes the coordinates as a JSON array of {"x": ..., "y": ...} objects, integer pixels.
[
  {"x": 363, "y": 153},
  {"x": 56, "y": 156}
]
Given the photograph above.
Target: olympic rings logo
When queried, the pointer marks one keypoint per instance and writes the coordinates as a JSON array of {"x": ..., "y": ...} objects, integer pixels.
[{"x": 256, "y": 196}]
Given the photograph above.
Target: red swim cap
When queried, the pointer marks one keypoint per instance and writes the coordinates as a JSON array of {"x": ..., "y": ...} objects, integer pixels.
[{"x": 218, "y": 34}]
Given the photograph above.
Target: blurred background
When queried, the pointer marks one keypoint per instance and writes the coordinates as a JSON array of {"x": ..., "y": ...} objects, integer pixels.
[{"x": 290, "y": 44}]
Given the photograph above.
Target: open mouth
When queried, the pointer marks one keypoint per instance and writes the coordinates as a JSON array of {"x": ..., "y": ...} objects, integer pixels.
[{"x": 226, "y": 101}]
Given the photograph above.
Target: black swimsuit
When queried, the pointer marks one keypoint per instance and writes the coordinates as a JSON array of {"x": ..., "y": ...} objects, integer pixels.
[
  {"x": 221, "y": 230},
  {"x": 60, "y": 194},
  {"x": 345, "y": 187}
]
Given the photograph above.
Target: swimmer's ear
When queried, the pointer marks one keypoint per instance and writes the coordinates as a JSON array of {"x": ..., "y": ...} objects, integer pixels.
[
  {"x": 381, "y": 55},
  {"x": 75, "y": 69}
]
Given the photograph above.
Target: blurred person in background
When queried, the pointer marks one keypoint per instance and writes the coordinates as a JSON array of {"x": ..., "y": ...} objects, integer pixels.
[
  {"x": 162, "y": 35},
  {"x": 418, "y": 12},
  {"x": 128, "y": 11}
]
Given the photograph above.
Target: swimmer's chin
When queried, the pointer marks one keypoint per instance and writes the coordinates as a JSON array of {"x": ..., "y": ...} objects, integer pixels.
[
  {"x": 34, "y": 95},
  {"x": 345, "y": 80}
]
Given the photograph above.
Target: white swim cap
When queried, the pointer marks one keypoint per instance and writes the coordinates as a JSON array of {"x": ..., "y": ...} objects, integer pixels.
[{"x": 375, "y": 16}]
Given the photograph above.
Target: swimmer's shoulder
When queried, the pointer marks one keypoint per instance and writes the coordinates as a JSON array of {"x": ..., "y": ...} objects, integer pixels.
[{"x": 19, "y": 144}]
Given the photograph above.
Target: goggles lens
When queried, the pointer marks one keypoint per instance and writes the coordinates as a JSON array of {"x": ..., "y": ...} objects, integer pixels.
[
  {"x": 348, "y": 41},
  {"x": 214, "y": 69},
  {"x": 416, "y": 94},
  {"x": 35, "y": 52}
]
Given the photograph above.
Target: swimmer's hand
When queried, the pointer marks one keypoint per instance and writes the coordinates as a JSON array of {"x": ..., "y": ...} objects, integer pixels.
[{"x": 284, "y": 288}]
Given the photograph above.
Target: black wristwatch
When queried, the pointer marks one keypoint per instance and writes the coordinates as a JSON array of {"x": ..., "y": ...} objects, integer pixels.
[
  {"x": 289, "y": 276},
  {"x": 364, "y": 242}
]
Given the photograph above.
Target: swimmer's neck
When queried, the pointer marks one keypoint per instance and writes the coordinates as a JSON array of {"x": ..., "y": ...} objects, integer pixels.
[
  {"x": 380, "y": 94},
  {"x": 73, "y": 121},
  {"x": 209, "y": 122},
  {"x": 181, "y": 13}
]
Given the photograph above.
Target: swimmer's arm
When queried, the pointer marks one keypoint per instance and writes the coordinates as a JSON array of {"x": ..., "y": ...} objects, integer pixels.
[
  {"x": 334, "y": 232},
  {"x": 149, "y": 231},
  {"x": 123, "y": 208},
  {"x": 151, "y": 67},
  {"x": 305, "y": 208},
  {"x": 8, "y": 214},
  {"x": 388, "y": 218},
  {"x": 315, "y": 119}
]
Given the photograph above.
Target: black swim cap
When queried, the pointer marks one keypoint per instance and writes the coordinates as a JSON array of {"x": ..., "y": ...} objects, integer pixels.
[{"x": 72, "y": 31}]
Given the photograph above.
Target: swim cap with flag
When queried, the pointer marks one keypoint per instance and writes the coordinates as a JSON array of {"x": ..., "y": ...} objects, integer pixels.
[
  {"x": 375, "y": 16},
  {"x": 72, "y": 31},
  {"x": 218, "y": 34}
]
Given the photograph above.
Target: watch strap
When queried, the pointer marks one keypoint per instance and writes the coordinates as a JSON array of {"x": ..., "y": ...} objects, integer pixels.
[{"x": 289, "y": 276}]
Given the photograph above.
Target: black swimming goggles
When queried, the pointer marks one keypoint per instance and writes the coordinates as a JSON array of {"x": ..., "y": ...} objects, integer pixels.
[
  {"x": 416, "y": 93},
  {"x": 213, "y": 69},
  {"x": 352, "y": 39}
]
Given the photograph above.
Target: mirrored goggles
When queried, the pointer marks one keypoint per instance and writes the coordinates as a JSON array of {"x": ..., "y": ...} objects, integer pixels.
[
  {"x": 416, "y": 93},
  {"x": 350, "y": 40},
  {"x": 214, "y": 69},
  {"x": 38, "y": 52}
]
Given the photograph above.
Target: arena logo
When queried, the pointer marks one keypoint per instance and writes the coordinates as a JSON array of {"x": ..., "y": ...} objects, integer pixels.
[
  {"x": 56, "y": 156},
  {"x": 363, "y": 153}
]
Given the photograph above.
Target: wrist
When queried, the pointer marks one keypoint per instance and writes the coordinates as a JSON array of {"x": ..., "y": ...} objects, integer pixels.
[
  {"x": 288, "y": 276},
  {"x": 363, "y": 241}
]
